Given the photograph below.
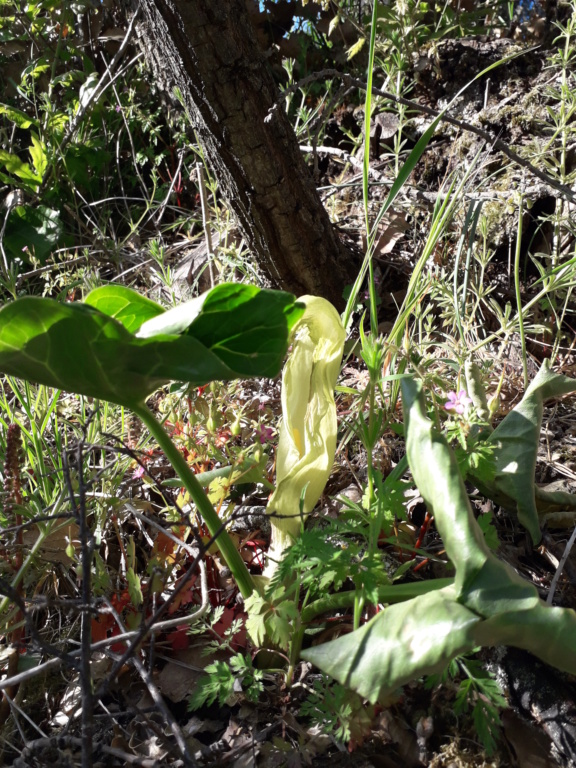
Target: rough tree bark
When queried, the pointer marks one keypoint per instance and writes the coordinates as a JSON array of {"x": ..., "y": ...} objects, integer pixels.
[{"x": 208, "y": 50}]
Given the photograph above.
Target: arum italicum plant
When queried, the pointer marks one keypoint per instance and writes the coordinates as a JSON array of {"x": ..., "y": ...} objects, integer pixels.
[{"x": 120, "y": 346}]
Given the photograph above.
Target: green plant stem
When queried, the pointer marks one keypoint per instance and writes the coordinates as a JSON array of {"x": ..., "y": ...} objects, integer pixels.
[
  {"x": 296, "y": 639},
  {"x": 295, "y": 648},
  {"x": 519, "y": 293},
  {"x": 358, "y": 607},
  {"x": 394, "y": 593},
  {"x": 209, "y": 515},
  {"x": 367, "y": 118}
]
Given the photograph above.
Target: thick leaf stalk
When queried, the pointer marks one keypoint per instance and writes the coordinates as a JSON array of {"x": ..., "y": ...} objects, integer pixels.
[{"x": 209, "y": 515}]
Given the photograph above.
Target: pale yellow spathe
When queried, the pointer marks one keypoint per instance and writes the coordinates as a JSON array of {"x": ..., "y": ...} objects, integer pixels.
[{"x": 307, "y": 442}]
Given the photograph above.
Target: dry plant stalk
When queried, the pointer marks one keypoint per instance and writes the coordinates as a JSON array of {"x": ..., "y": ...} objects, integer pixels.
[{"x": 12, "y": 506}]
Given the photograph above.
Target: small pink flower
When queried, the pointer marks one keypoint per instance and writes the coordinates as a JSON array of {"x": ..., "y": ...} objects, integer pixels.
[
  {"x": 265, "y": 434},
  {"x": 458, "y": 402},
  {"x": 138, "y": 472}
]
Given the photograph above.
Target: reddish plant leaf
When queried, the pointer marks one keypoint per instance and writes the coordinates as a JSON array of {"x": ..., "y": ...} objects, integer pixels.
[{"x": 179, "y": 639}]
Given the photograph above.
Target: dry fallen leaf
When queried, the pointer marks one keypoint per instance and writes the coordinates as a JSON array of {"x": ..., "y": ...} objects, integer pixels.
[{"x": 53, "y": 548}]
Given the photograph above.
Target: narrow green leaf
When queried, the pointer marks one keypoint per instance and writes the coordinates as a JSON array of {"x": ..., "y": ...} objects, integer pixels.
[
  {"x": 438, "y": 479},
  {"x": 510, "y": 480}
]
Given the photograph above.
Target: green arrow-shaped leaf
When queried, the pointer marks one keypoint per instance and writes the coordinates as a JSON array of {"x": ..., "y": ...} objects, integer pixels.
[
  {"x": 78, "y": 348},
  {"x": 400, "y": 644}
]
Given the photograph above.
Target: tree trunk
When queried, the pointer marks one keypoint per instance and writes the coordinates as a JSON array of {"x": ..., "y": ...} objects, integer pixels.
[{"x": 207, "y": 49}]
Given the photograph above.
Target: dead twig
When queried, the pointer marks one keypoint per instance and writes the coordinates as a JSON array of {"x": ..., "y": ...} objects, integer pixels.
[{"x": 560, "y": 568}]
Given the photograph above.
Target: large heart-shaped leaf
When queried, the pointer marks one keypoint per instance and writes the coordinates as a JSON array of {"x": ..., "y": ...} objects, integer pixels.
[
  {"x": 79, "y": 348},
  {"x": 239, "y": 323}
]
